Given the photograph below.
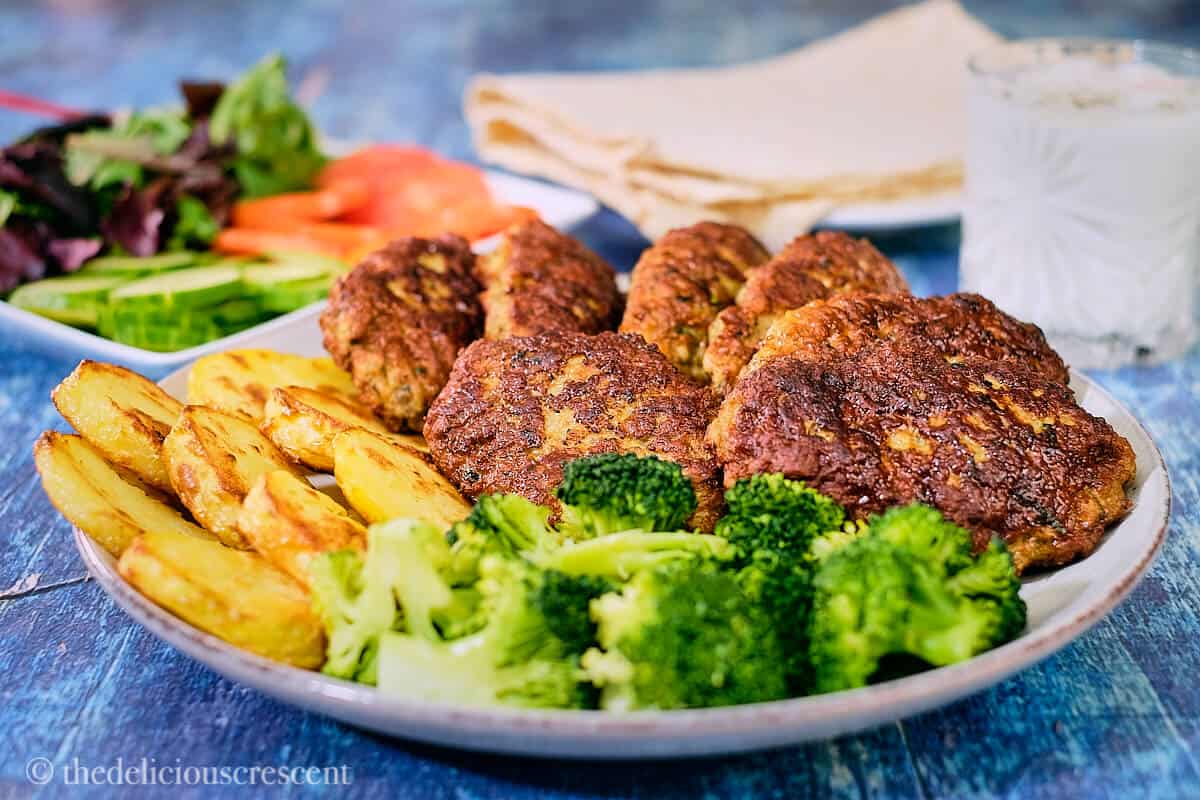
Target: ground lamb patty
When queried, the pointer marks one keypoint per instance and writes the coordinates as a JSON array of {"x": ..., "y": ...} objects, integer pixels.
[
  {"x": 680, "y": 284},
  {"x": 956, "y": 325},
  {"x": 873, "y": 422},
  {"x": 538, "y": 280},
  {"x": 516, "y": 410},
  {"x": 397, "y": 321},
  {"x": 811, "y": 267}
]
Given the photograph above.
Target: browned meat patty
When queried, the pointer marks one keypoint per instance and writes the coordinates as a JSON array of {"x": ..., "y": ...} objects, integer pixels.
[
  {"x": 956, "y": 325},
  {"x": 515, "y": 411},
  {"x": 812, "y": 267},
  {"x": 397, "y": 321},
  {"x": 541, "y": 280},
  {"x": 680, "y": 285},
  {"x": 997, "y": 446}
]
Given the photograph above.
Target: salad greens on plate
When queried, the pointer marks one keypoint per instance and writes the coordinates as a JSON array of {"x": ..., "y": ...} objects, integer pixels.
[
  {"x": 107, "y": 219},
  {"x": 234, "y": 174},
  {"x": 143, "y": 182}
]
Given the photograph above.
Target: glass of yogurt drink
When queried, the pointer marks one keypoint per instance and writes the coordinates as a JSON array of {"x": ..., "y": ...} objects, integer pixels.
[{"x": 1082, "y": 202}]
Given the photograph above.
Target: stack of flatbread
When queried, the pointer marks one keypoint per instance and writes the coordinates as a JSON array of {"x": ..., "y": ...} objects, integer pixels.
[{"x": 873, "y": 114}]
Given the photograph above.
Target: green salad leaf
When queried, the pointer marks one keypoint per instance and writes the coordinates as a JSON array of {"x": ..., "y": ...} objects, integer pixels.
[
  {"x": 275, "y": 141},
  {"x": 195, "y": 226},
  {"x": 13, "y": 203},
  {"x": 8, "y": 204},
  {"x": 116, "y": 156}
]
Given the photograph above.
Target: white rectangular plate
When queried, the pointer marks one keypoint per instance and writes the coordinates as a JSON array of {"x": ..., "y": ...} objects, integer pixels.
[{"x": 557, "y": 206}]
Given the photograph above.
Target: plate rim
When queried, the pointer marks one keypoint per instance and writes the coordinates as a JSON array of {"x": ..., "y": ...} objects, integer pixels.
[
  {"x": 596, "y": 735},
  {"x": 941, "y": 208}
]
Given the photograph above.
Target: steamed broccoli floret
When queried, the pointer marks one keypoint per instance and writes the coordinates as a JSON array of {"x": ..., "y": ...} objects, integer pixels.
[
  {"x": 991, "y": 580},
  {"x": 500, "y": 524},
  {"x": 398, "y": 584},
  {"x": 464, "y": 672},
  {"x": 769, "y": 512},
  {"x": 463, "y": 615},
  {"x": 523, "y": 604},
  {"x": 773, "y": 522},
  {"x": 621, "y": 555},
  {"x": 616, "y": 492},
  {"x": 782, "y": 589},
  {"x": 509, "y": 523},
  {"x": 876, "y": 604},
  {"x": 836, "y": 539},
  {"x": 909, "y": 594},
  {"x": 354, "y": 612},
  {"x": 527, "y": 654},
  {"x": 563, "y": 601},
  {"x": 987, "y": 577},
  {"x": 926, "y": 533},
  {"x": 683, "y": 636},
  {"x": 411, "y": 556}
]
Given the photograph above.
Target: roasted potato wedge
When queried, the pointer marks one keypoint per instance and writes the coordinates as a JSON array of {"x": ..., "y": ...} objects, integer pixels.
[
  {"x": 212, "y": 459},
  {"x": 122, "y": 414},
  {"x": 303, "y": 423},
  {"x": 229, "y": 593},
  {"x": 239, "y": 381},
  {"x": 414, "y": 440},
  {"x": 289, "y": 523},
  {"x": 93, "y": 496},
  {"x": 383, "y": 479}
]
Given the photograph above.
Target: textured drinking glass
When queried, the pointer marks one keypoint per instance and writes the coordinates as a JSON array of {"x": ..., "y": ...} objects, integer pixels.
[{"x": 1082, "y": 209}]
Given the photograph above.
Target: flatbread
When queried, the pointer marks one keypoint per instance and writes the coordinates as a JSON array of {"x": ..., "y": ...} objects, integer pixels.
[{"x": 873, "y": 114}]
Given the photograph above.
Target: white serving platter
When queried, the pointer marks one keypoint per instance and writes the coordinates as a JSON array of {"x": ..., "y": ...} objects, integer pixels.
[
  {"x": 1062, "y": 605},
  {"x": 558, "y": 206},
  {"x": 939, "y": 209}
]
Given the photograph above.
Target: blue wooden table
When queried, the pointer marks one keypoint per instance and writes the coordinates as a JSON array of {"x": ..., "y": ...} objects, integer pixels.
[{"x": 1116, "y": 714}]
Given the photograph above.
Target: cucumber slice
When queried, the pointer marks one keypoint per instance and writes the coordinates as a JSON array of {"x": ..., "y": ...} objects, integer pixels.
[
  {"x": 290, "y": 296},
  {"x": 331, "y": 265},
  {"x": 165, "y": 339},
  {"x": 76, "y": 317},
  {"x": 160, "y": 343},
  {"x": 229, "y": 330},
  {"x": 158, "y": 263},
  {"x": 259, "y": 277},
  {"x": 235, "y": 312},
  {"x": 70, "y": 293},
  {"x": 228, "y": 316},
  {"x": 189, "y": 288}
]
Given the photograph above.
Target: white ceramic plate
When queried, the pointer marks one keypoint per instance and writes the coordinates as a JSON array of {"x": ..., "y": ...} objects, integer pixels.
[
  {"x": 934, "y": 210},
  {"x": 563, "y": 208},
  {"x": 1062, "y": 605}
]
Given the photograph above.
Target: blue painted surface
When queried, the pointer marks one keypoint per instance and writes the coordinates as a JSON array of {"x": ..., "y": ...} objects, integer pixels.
[{"x": 1116, "y": 714}]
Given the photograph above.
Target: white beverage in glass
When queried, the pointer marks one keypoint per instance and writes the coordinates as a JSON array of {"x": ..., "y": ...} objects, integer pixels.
[{"x": 1082, "y": 210}]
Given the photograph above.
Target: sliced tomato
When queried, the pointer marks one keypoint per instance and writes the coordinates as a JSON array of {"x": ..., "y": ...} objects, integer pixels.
[
  {"x": 368, "y": 163},
  {"x": 503, "y": 217},
  {"x": 415, "y": 193},
  {"x": 442, "y": 197}
]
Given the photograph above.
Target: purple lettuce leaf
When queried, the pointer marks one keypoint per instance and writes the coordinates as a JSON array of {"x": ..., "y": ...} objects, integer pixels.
[
  {"x": 21, "y": 259},
  {"x": 201, "y": 97},
  {"x": 136, "y": 220},
  {"x": 35, "y": 169},
  {"x": 71, "y": 253},
  {"x": 58, "y": 133}
]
